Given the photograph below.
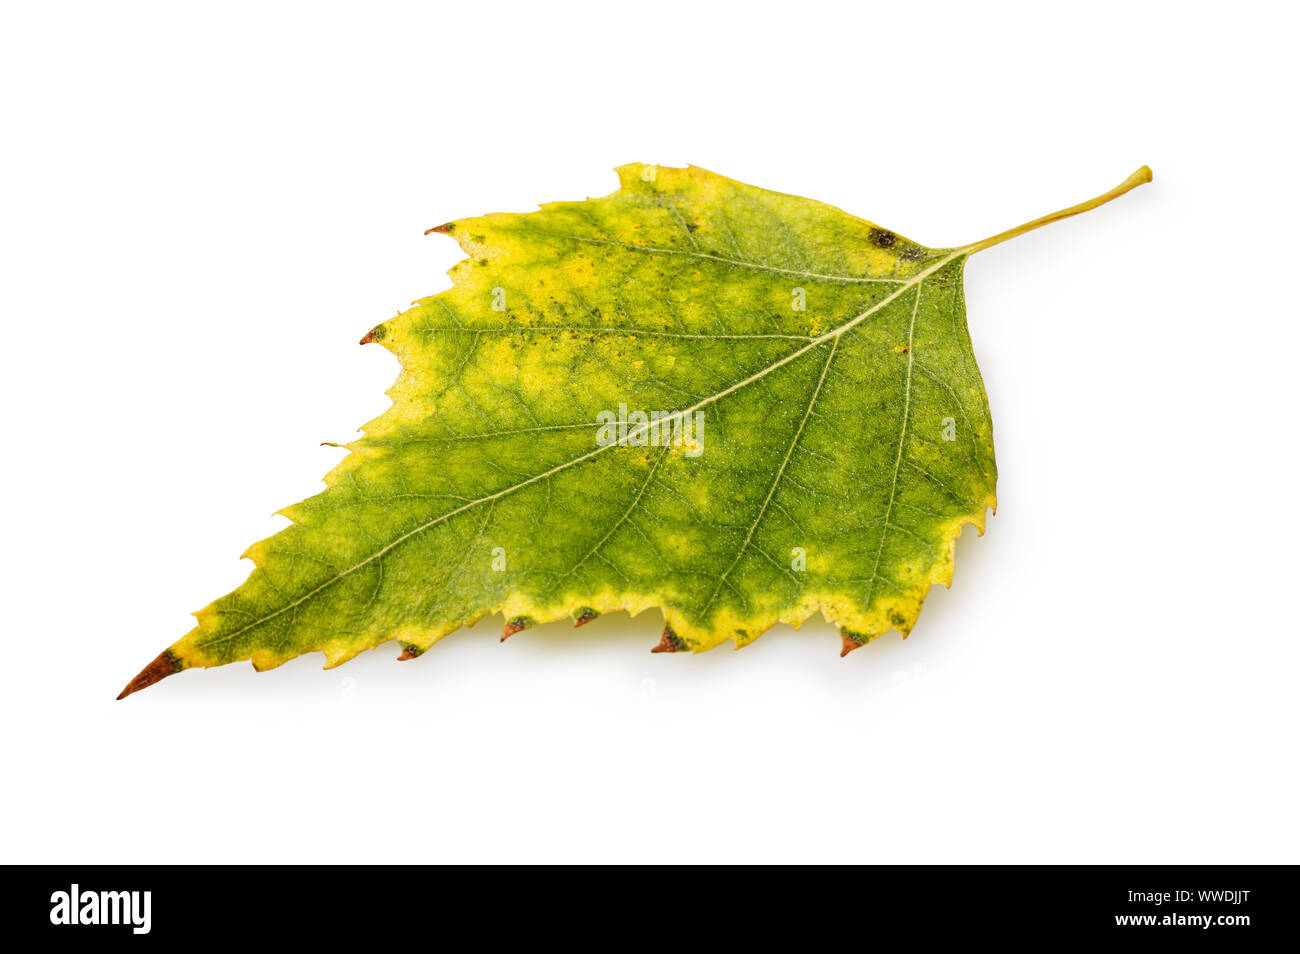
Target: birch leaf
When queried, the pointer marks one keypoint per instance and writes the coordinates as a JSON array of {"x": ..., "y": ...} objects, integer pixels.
[{"x": 732, "y": 405}]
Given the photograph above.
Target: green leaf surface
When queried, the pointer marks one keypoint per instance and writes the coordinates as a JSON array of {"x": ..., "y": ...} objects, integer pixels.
[{"x": 816, "y": 435}]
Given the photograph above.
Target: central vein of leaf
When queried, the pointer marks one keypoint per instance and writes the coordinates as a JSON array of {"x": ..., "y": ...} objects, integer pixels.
[{"x": 914, "y": 282}]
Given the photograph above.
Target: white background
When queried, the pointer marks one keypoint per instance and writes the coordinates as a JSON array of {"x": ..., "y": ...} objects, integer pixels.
[{"x": 205, "y": 206}]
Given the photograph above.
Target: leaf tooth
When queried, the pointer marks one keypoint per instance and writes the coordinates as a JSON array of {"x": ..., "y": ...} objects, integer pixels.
[
  {"x": 851, "y": 641},
  {"x": 444, "y": 229},
  {"x": 166, "y": 664},
  {"x": 410, "y": 651},
  {"x": 584, "y": 616},
  {"x": 517, "y": 624},
  {"x": 670, "y": 642}
]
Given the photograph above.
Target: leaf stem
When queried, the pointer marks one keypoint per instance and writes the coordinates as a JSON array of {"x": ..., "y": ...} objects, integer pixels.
[{"x": 1132, "y": 182}]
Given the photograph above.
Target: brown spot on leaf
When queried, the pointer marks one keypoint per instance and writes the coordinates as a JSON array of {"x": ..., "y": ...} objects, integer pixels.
[
  {"x": 410, "y": 651},
  {"x": 585, "y": 616},
  {"x": 883, "y": 238},
  {"x": 165, "y": 665},
  {"x": 516, "y": 624},
  {"x": 670, "y": 642},
  {"x": 851, "y": 641}
]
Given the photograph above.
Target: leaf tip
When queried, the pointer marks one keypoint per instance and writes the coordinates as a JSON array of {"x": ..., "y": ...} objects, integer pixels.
[
  {"x": 444, "y": 229},
  {"x": 410, "y": 651},
  {"x": 166, "y": 664}
]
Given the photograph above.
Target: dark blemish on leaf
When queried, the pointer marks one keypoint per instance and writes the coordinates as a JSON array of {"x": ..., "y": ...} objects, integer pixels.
[
  {"x": 670, "y": 642},
  {"x": 584, "y": 616},
  {"x": 482, "y": 261},
  {"x": 883, "y": 238},
  {"x": 691, "y": 226},
  {"x": 850, "y": 641},
  {"x": 409, "y": 651},
  {"x": 897, "y": 618},
  {"x": 913, "y": 253},
  {"x": 166, "y": 664},
  {"x": 516, "y": 624}
]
